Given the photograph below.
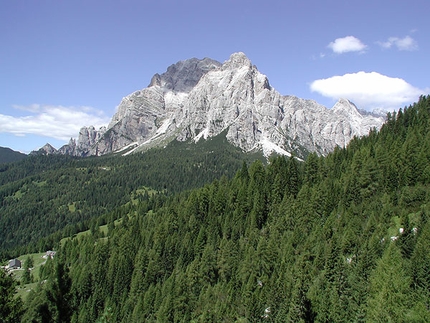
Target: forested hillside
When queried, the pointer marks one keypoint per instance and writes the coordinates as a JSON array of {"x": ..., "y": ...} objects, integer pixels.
[
  {"x": 8, "y": 155},
  {"x": 44, "y": 194},
  {"x": 338, "y": 239}
]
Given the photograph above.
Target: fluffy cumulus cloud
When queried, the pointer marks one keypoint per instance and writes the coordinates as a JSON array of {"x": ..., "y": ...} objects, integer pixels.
[
  {"x": 406, "y": 43},
  {"x": 368, "y": 90},
  {"x": 347, "y": 44},
  {"x": 51, "y": 121}
]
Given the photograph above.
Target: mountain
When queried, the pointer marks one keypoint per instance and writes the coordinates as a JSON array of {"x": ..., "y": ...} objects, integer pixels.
[
  {"x": 8, "y": 155},
  {"x": 198, "y": 99},
  {"x": 340, "y": 238},
  {"x": 47, "y": 149}
]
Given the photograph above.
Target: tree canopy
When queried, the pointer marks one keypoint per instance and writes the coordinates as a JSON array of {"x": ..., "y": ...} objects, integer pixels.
[{"x": 342, "y": 238}]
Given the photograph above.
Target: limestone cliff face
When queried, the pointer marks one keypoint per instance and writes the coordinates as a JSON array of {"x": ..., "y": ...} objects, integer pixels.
[
  {"x": 141, "y": 114},
  {"x": 197, "y": 99}
]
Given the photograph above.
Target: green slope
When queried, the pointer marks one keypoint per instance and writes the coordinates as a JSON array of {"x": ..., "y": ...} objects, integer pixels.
[
  {"x": 338, "y": 239},
  {"x": 8, "y": 155},
  {"x": 44, "y": 194}
]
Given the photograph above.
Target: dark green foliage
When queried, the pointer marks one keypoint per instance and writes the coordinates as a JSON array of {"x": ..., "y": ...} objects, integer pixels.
[
  {"x": 390, "y": 296},
  {"x": 8, "y": 155},
  {"x": 28, "y": 265},
  {"x": 343, "y": 238},
  {"x": 53, "y": 302},
  {"x": 10, "y": 306},
  {"x": 44, "y": 194}
]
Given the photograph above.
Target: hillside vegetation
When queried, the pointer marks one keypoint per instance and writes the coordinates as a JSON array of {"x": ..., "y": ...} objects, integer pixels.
[
  {"x": 44, "y": 198},
  {"x": 8, "y": 155},
  {"x": 342, "y": 238}
]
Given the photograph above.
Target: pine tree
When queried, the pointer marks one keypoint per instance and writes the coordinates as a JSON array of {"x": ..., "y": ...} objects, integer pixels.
[
  {"x": 420, "y": 266},
  {"x": 389, "y": 296},
  {"x": 27, "y": 278},
  {"x": 10, "y": 306},
  {"x": 300, "y": 307}
]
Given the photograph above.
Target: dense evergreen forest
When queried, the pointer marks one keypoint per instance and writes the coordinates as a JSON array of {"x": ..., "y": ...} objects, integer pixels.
[
  {"x": 44, "y": 198},
  {"x": 342, "y": 238}
]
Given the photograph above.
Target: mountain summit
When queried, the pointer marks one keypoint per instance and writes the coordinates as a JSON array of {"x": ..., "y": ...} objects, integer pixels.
[{"x": 199, "y": 98}]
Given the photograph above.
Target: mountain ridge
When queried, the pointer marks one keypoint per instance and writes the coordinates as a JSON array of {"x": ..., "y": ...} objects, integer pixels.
[
  {"x": 8, "y": 155},
  {"x": 200, "y": 98}
]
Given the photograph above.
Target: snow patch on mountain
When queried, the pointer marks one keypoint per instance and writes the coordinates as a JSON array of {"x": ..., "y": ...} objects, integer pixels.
[
  {"x": 269, "y": 147},
  {"x": 132, "y": 145},
  {"x": 164, "y": 127}
]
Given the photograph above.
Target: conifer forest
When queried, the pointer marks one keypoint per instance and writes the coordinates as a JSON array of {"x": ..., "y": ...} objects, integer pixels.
[{"x": 337, "y": 238}]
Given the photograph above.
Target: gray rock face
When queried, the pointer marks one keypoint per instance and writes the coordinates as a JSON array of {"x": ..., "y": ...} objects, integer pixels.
[
  {"x": 89, "y": 138},
  {"x": 47, "y": 149},
  {"x": 184, "y": 75},
  {"x": 196, "y": 99},
  {"x": 69, "y": 149}
]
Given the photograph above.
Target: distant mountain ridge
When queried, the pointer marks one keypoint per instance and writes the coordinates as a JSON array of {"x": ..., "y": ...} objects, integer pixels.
[
  {"x": 201, "y": 98},
  {"x": 8, "y": 155}
]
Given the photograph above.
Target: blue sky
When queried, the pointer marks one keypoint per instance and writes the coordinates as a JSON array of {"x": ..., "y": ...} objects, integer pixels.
[{"x": 66, "y": 64}]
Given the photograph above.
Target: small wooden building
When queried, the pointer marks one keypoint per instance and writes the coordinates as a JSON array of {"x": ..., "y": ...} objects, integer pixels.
[{"x": 14, "y": 264}]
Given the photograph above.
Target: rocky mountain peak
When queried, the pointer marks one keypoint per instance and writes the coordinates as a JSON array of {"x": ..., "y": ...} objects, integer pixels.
[
  {"x": 346, "y": 107},
  {"x": 68, "y": 149},
  {"x": 184, "y": 75},
  {"x": 155, "y": 81},
  {"x": 47, "y": 149},
  {"x": 237, "y": 60},
  {"x": 345, "y": 104},
  {"x": 201, "y": 98}
]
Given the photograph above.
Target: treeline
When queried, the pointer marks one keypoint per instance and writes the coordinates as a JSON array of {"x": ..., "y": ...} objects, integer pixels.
[
  {"x": 44, "y": 198},
  {"x": 343, "y": 238}
]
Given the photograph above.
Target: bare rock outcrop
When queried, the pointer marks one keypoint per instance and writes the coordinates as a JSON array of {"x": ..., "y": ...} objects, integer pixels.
[{"x": 197, "y": 99}]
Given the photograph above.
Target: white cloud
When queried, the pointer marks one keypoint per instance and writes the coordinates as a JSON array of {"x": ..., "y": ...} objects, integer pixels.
[
  {"x": 405, "y": 43},
  {"x": 347, "y": 44},
  {"x": 52, "y": 121},
  {"x": 368, "y": 90}
]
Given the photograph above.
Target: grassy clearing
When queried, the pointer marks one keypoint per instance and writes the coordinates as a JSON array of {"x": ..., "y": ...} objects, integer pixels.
[
  {"x": 393, "y": 230},
  {"x": 75, "y": 236},
  {"x": 38, "y": 261},
  {"x": 103, "y": 229},
  {"x": 40, "y": 184},
  {"x": 24, "y": 290},
  {"x": 72, "y": 207},
  {"x": 142, "y": 192}
]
